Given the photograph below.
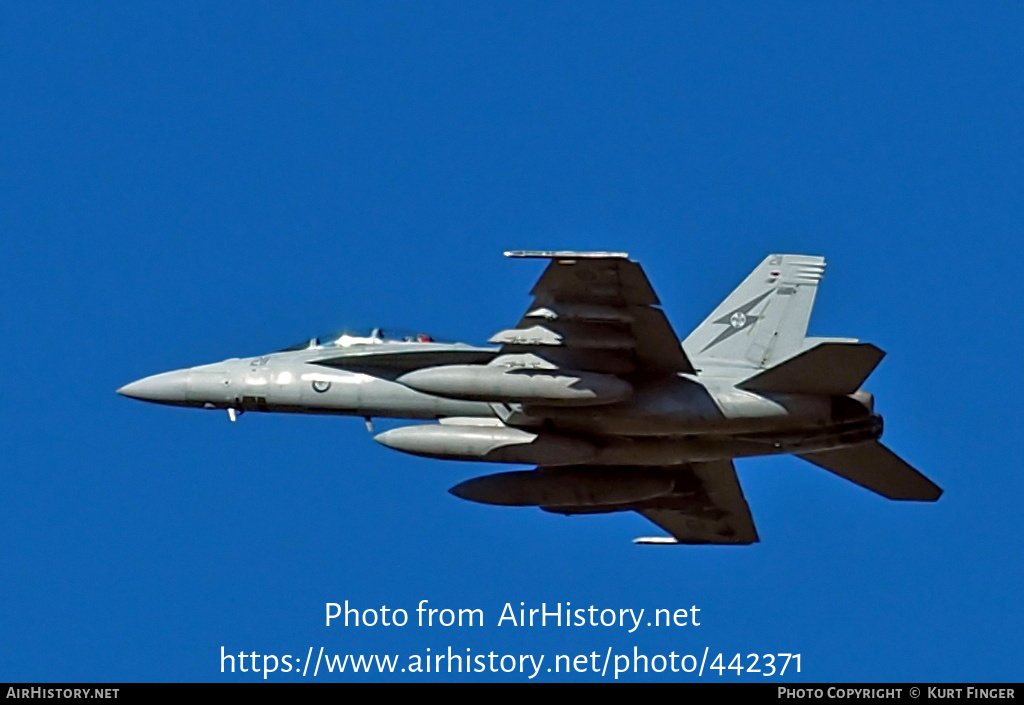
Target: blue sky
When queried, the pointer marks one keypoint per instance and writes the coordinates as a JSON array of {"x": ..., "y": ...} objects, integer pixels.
[{"x": 193, "y": 181}]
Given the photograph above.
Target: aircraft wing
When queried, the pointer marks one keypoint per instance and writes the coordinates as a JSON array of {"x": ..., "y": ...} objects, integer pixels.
[
  {"x": 595, "y": 311},
  {"x": 696, "y": 503},
  {"x": 707, "y": 507}
]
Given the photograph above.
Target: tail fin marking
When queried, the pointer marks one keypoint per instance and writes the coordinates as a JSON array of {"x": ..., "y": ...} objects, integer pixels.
[{"x": 764, "y": 320}]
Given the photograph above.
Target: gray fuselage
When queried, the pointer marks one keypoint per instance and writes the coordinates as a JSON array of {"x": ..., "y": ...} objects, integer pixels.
[{"x": 668, "y": 419}]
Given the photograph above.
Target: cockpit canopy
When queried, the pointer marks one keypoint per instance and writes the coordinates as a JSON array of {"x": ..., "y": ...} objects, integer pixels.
[{"x": 363, "y": 336}]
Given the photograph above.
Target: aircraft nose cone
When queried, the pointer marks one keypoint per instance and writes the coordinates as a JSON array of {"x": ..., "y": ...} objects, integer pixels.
[{"x": 166, "y": 388}]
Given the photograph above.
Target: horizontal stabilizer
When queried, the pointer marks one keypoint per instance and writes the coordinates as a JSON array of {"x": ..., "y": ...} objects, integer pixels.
[
  {"x": 875, "y": 467},
  {"x": 827, "y": 368}
]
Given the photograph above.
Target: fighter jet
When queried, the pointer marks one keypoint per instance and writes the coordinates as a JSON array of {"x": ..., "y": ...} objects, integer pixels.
[{"x": 594, "y": 389}]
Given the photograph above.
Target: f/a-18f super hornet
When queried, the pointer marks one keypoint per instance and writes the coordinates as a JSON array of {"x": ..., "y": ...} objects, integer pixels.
[{"x": 594, "y": 388}]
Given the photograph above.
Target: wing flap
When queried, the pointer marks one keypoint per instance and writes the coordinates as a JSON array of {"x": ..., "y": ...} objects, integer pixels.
[{"x": 657, "y": 347}]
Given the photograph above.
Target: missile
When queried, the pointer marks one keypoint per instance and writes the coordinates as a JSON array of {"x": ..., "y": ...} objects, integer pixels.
[
  {"x": 499, "y": 444},
  {"x": 524, "y": 385},
  {"x": 554, "y": 488},
  {"x": 655, "y": 541}
]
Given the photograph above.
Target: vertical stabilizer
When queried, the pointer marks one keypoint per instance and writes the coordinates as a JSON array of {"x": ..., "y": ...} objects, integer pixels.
[{"x": 764, "y": 320}]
